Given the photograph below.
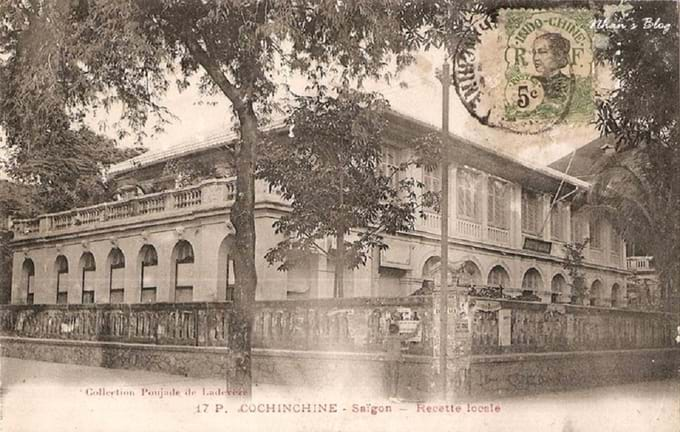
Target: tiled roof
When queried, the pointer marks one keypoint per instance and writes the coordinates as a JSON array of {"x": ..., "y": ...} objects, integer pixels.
[
  {"x": 581, "y": 164},
  {"x": 222, "y": 137},
  {"x": 499, "y": 154},
  {"x": 215, "y": 139}
]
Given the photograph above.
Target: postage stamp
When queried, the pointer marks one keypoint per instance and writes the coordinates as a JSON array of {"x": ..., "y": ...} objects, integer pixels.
[{"x": 527, "y": 70}]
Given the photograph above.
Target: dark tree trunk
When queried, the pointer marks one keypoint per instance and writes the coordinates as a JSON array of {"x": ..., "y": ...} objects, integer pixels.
[
  {"x": 339, "y": 280},
  {"x": 339, "y": 285},
  {"x": 242, "y": 217}
]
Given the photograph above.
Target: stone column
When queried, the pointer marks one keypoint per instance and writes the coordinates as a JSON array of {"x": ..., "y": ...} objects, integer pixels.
[
  {"x": 102, "y": 274},
  {"x": 544, "y": 222},
  {"x": 165, "y": 272},
  {"x": 44, "y": 280},
  {"x": 73, "y": 252},
  {"x": 271, "y": 283},
  {"x": 516, "y": 217},
  {"x": 17, "y": 277},
  {"x": 374, "y": 264},
  {"x": 206, "y": 264},
  {"x": 131, "y": 247},
  {"x": 485, "y": 206},
  {"x": 453, "y": 201}
]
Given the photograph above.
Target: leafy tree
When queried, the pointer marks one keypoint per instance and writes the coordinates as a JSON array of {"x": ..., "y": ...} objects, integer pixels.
[
  {"x": 84, "y": 54},
  {"x": 13, "y": 201},
  {"x": 67, "y": 173},
  {"x": 640, "y": 184},
  {"x": 336, "y": 178},
  {"x": 573, "y": 264},
  {"x": 5, "y": 267}
]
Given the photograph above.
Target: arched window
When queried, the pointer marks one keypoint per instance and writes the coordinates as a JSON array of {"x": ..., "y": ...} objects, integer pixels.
[
  {"x": 28, "y": 273},
  {"x": 633, "y": 296},
  {"x": 531, "y": 282},
  {"x": 558, "y": 287},
  {"x": 432, "y": 274},
  {"x": 148, "y": 264},
  {"x": 184, "y": 271},
  {"x": 88, "y": 267},
  {"x": 230, "y": 278},
  {"x": 595, "y": 293},
  {"x": 116, "y": 276},
  {"x": 469, "y": 274},
  {"x": 498, "y": 277},
  {"x": 225, "y": 270},
  {"x": 61, "y": 265},
  {"x": 616, "y": 295}
]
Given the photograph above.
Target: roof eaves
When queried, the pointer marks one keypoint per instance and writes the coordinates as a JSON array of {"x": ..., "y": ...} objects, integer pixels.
[
  {"x": 547, "y": 171},
  {"x": 185, "y": 148}
]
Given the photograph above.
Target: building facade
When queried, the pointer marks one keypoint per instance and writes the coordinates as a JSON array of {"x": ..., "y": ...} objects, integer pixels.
[{"x": 168, "y": 239}]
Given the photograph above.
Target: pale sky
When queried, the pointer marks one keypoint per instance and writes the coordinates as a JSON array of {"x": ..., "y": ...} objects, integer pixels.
[{"x": 420, "y": 99}]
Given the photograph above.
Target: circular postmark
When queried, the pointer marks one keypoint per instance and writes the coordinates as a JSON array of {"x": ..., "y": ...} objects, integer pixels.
[{"x": 528, "y": 70}]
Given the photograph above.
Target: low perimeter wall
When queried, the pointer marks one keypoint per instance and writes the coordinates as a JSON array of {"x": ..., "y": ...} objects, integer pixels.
[
  {"x": 343, "y": 373},
  {"x": 531, "y": 373},
  {"x": 495, "y": 347},
  {"x": 357, "y": 374}
]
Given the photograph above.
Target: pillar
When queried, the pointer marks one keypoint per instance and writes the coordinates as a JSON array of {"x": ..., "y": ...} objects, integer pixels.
[{"x": 458, "y": 345}]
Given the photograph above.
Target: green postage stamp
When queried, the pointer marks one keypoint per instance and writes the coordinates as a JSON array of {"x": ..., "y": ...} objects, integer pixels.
[{"x": 528, "y": 70}]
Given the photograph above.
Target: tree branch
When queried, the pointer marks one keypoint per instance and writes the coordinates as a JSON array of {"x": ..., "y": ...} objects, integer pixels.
[{"x": 213, "y": 70}]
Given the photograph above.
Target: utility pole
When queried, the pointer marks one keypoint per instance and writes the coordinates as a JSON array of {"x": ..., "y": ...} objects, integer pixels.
[{"x": 445, "y": 78}]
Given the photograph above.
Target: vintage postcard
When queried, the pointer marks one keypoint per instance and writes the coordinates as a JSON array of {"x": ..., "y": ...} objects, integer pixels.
[{"x": 339, "y": 215}]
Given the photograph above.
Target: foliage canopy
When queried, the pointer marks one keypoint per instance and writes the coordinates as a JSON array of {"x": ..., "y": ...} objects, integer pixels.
[{"x": 335, "y": 172}]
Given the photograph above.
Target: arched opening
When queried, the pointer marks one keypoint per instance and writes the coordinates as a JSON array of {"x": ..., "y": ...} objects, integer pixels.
[
  {"x": 558, "y": 288},
  {"x": 429, "y": 271},
  {"x": 301, "y": 277},
  {"x": 616, "y": 295},
  {"x": 595, "y": 293},
  {"x": 633, "y": 296},
  {"x": 469, "y": 274},
  {"x": 61, "y": 265},
  {"x": 226, "y": 280},
  {"x": 183, "y": 258},
  {"x": 532, "y": 282},
  {"x": 87, "y": 270},
  {"x": 148, "y": 263},
  {"x": 432, "y": 275},
  {"x": 498, "y": 277},
  {"x": 28, "y": 274},
  {"x": 649, "y": 299},
  {"x": 116, "y": 261}
]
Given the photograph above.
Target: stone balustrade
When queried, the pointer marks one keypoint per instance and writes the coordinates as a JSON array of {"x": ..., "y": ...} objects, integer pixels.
[
  {"x": 208, "y": 194},
  {"x": 300, "y": 339},
  {"x": 348, "y": 324},
  {"x": 496, "y": 325},
  {"x": 640, "y": 263},
  {"x": 508, "y": 326},
  {"x": 351, "y": 324},
  {"x": 196, "y": 324}
]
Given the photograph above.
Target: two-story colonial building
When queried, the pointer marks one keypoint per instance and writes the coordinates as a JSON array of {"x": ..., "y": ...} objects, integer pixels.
[{"x": 509, "y": 221}]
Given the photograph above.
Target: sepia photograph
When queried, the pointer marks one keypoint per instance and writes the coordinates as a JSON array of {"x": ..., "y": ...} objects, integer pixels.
[{"x": 340, "y": 215}]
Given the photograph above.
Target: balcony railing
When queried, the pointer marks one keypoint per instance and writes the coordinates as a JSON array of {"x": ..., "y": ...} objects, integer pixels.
[
  {"x": 498, "y": 235},
  {"x": 207, "y": 194},
  {"x": 468, "y": 229},
  {"x": 640, "y": 263},
  {"x": 431, "y": 222}
]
